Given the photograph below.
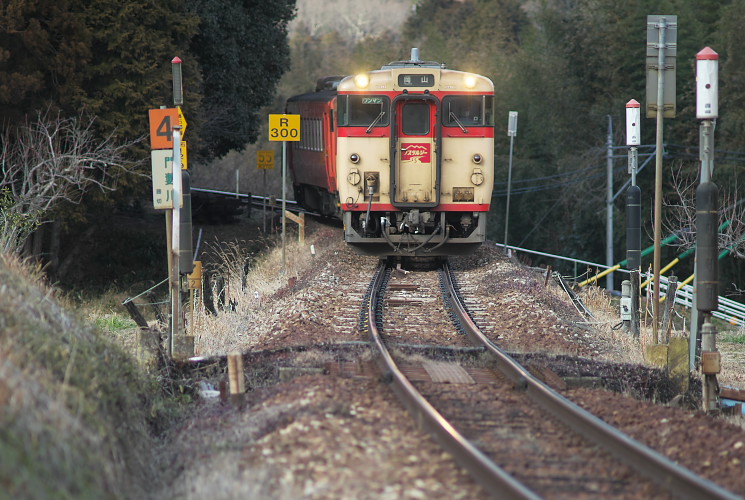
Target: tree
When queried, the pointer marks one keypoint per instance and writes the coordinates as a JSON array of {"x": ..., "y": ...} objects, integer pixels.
[
  {"x": 48, "y": 162},
  {"x": 242, "y": 51},
  {"x": 44, "y": 50}
]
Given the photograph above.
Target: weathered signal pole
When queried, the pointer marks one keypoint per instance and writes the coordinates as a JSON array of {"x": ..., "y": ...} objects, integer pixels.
[
  {"x": 706, "y": 284},
  {"x": 633, "y": 213},
  {"x": 661, "y": 54}
]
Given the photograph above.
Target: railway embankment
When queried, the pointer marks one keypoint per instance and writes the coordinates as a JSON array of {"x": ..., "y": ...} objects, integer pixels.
[
  {"x": 77, "y": 415},
  {"x": 81, "y": 418}
]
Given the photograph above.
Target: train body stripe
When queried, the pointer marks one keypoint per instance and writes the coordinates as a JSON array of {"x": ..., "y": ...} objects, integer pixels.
[
  {"x": 447, "y": 132},
  {"x": 443, "y": 207}
]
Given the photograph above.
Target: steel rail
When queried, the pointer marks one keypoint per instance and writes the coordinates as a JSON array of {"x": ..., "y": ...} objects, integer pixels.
[
  {"x": 651, "y": 464},
  {"x": 487, "y": 473}
]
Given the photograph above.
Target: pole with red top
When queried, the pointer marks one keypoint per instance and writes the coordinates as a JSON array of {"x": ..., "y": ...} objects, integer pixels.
[
  {"x": 706, "y": 284},
  {"x": 630, "y": 314}
]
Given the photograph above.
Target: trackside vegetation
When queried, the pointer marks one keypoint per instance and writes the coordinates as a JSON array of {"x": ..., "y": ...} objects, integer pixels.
[{"x": 77, "y": 414}]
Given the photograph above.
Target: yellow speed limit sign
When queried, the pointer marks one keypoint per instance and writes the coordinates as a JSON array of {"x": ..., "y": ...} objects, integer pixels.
[
  {"x": 284, "y": 127},
  {"x": 265, "y": 159}
]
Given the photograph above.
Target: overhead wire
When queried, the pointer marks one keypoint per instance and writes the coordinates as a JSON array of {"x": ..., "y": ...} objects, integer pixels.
[{"x": 671, "y": 151}]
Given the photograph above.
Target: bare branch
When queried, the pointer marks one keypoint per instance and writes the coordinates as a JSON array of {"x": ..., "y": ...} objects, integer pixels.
[
  {"x": 50, "y": 161},
  {"x": 681, "y": 215}
]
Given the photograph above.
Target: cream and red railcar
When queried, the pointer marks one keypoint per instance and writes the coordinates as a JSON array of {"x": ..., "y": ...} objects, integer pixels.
[
  {"x": 312, "y": 159},
  {"x": 414, "y": 159}
]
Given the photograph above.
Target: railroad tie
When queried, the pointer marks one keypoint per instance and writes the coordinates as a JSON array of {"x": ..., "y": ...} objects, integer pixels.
[{"x": 451, "y": 373}]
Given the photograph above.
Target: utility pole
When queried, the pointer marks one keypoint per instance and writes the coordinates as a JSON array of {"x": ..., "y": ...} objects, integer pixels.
[
  {"x": 609, "y": 207},
  {"x": 661, "y": 54}
]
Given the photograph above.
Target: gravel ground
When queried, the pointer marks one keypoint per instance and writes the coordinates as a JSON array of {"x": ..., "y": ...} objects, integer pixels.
[{"x": 326, "y": 436}]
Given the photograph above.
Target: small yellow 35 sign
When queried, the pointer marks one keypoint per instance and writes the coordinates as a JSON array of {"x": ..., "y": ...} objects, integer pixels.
[
  {"x": 265, "y": 159},
  {"x": 284, "y": 127}
]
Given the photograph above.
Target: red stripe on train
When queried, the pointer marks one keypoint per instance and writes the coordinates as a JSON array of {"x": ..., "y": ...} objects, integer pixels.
[{"x": 443, "y": 207}]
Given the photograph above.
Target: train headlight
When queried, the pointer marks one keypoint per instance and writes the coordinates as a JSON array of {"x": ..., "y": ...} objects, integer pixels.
[
  {"x": 361, "y": 81},
  {"x": 470, "y": 81},
  {"x": 477, "y": 158},
  {"x": 354, "y": 158}
]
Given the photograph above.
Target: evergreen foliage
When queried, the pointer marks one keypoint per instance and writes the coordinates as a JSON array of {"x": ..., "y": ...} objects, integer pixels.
[
  {"x": 112, "y": 59},
  {"x": 242, "y": 50}
]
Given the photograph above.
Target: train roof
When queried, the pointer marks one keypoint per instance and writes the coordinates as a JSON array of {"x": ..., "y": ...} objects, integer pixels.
[
  {"x": 325, "y": 90},
  {"x": 414, "y": 62},
  {"x": 320, "y": 96}
]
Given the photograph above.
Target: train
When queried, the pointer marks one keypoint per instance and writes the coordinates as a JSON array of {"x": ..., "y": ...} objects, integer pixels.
[{"x": 404, "y": 155}]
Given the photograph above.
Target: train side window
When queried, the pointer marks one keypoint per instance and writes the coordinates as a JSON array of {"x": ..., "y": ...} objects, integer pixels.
[
  {"x": 415, "y": 118},
  {"x": 342, "y": 117}
]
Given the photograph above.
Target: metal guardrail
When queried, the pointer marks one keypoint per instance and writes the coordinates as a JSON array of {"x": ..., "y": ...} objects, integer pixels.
[
  {"x": 253, "y": 197},
  {"x": 729, "y": 310}
]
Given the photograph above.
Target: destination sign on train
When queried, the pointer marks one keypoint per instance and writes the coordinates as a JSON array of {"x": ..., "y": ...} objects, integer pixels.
[{"x": 416, "y": 80}]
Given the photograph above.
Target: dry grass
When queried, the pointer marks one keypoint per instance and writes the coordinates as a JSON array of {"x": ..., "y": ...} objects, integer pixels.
[
  {"x": 606, "y": 325},
  {"x": 250, "y": 283},
  {"x": 73, "y": 407}
]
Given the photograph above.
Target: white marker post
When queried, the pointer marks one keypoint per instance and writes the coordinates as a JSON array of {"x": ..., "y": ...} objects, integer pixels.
[
  {"x": 176, "y": 241},
  {"x": 512, "y": 132}
]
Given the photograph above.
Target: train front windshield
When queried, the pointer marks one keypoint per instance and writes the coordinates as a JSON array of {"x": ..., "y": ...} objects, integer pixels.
[
  {"x": 468, "y": 110},
  {"x": 363, "y": 110}
]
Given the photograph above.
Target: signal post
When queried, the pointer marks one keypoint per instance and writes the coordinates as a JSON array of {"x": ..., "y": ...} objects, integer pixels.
[
  {"x": 706, "y": 281},
  {"x": 169, "y": 175},
  {"x": 633, "y": 218}
]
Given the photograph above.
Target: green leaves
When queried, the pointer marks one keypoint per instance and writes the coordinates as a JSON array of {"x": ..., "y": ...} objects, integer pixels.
[{"x": 242, "y": 50}]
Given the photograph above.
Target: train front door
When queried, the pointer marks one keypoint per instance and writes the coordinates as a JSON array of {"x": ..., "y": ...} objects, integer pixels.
[{"x": 415, "y": 169}]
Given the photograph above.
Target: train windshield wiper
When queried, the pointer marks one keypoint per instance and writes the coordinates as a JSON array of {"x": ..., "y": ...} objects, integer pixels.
[
  {"x": 375, "y": 122},
  {"x": 455, "y": 118}
]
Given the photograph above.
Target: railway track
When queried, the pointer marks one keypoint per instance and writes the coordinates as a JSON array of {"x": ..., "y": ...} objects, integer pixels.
[{"x": 517, "y": 436}]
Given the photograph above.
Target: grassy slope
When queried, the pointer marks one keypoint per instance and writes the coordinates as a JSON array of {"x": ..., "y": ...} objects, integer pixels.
[{"x": 74, "y": 409}]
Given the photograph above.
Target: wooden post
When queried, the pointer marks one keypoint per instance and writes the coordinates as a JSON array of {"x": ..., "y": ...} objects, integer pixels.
[
  {"x": 162, "y": 320},
  {"x": 667, "y": 317},
  {"x": 272, "y": 205},
  {"x": 300, "y": 220},
  {"x": 131, "y": 307},
  {"x": 236, "y": 378},
  {"x": 195, "y": 283}
]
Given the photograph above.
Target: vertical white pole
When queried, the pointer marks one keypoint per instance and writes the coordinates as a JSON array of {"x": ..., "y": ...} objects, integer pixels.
[{"x": 176, "y": 240}]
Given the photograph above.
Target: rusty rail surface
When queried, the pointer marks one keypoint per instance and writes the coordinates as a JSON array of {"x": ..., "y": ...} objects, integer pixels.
[
  {"x": 488, "y": 474},
  {"x": 644, "y": 460}
]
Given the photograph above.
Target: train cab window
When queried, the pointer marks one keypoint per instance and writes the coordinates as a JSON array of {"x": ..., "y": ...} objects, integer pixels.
[
  {"x": 363, "y": 111},
  {"x": 468, "y": 111},
  {"x": 415, "y": 118}
]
